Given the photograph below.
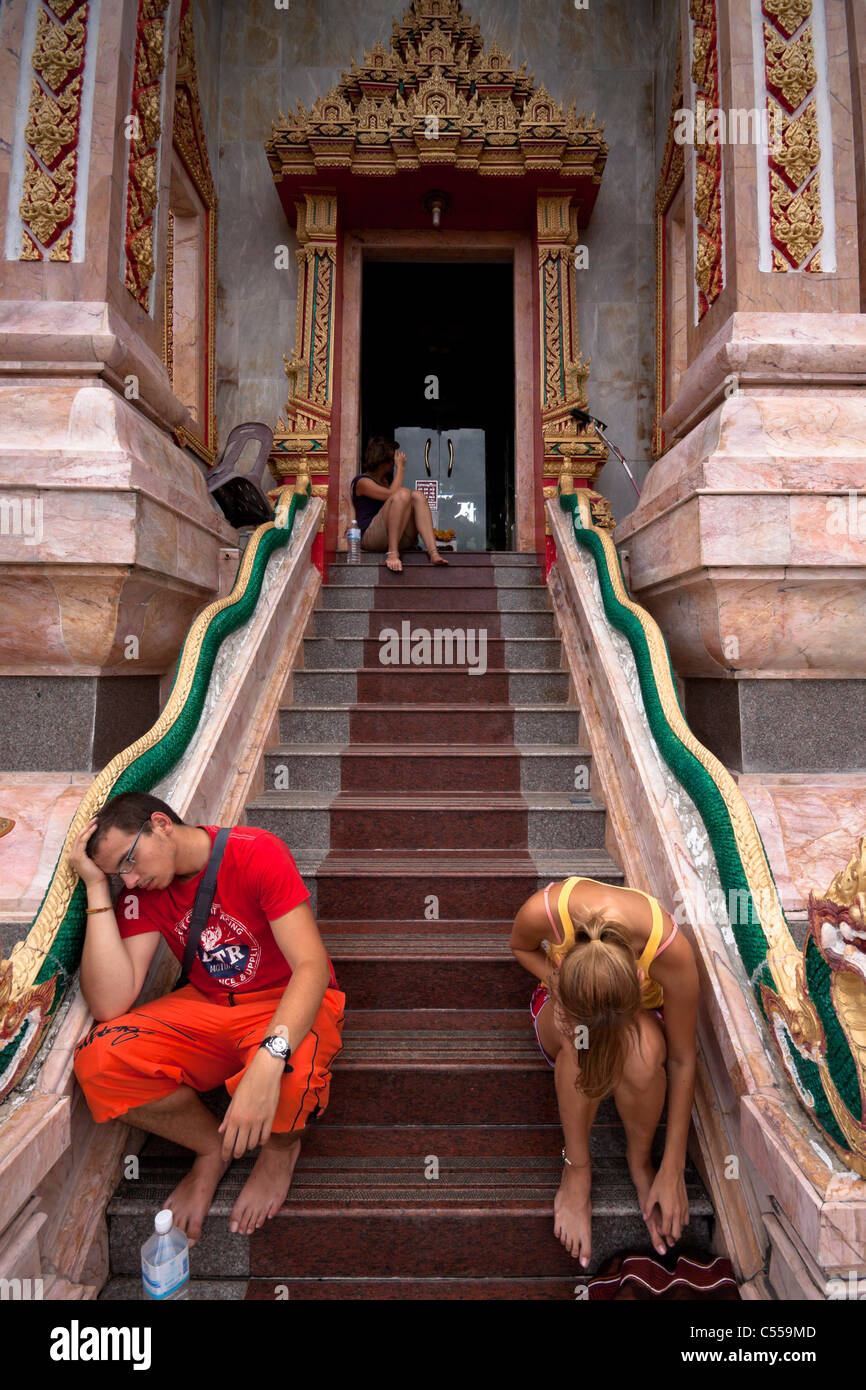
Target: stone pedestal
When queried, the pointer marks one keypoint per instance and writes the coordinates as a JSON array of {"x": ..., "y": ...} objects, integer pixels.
[
  {"x": 108, "y": 540},
  {"x": 109, "y": 544},
  {"x": 748, "y": 544}
]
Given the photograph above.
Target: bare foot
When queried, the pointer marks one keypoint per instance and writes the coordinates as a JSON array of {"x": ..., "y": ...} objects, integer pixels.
[
  {"x": 572, "y": 1212},
  {"x": 190, "y": 1201},
  {"x": 643, "y": 1176},
  {"x": 265, "y": 1189},
  {"x": 393, "y": 561},
  {"x": 436, "y": 559}
]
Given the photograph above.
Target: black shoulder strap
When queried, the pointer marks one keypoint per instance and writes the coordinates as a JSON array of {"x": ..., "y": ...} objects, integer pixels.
[{"x": 202, "y": 905}]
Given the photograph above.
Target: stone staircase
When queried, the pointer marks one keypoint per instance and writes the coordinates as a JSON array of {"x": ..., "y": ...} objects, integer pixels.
[{"x": 423, "y": 806}]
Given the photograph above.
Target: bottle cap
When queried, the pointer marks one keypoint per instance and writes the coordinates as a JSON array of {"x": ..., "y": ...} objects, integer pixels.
[{"x": 163, "y": 1222}]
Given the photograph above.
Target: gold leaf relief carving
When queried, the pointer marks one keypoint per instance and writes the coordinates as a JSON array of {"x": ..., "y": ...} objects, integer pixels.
[
  {"x": 43, "y": 206},
  {"x": 788, "y": 14},
  {"x": 58, "y": 51},
  {"x": 799, "y": 227},
  {"x": 321, "y": 346},
  {"x": 705, "y": 187},
  {"x": 148, "y": 110},
  {"x": 706, "y": 265},
  {"x": 64, "y": 174},
  {"x": 800, "y": 151},
  {"x": 49, "y": 130},
  {"x": 142, "y": 251},
  {"x": 790, "y": 67},
  {"x": 62, "y": 248},
  {"x": 29, "y": 250},
  {"x": 60, "y": 7},
  {"x": 144, "y": 173}
]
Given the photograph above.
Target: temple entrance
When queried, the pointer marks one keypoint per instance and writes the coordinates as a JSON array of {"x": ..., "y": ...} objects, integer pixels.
[{"x": 437, "y": 374}]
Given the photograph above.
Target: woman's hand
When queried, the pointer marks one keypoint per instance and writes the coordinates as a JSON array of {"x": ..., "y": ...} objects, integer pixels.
[
  {"x": 81, "y": 863},
  {"x": 668, "y": 1194}
]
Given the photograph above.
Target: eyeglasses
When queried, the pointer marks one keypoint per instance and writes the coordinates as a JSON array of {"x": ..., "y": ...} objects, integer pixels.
[{"x": 128, "y": 864}]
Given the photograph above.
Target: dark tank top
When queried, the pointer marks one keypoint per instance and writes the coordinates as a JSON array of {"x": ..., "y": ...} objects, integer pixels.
[{"x": 366, "y": 508}]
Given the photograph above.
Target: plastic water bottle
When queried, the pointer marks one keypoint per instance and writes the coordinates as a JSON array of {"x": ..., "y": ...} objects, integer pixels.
[
  {"x": 354, "y": 537},
  {"x": 165, "y": 1260}
]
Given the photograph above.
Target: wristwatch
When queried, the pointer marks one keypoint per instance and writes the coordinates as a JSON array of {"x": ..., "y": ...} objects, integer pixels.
[{"x": 278, "y": 1046}]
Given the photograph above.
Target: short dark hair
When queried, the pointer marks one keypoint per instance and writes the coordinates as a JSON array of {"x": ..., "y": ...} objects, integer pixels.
[
  {"x": 379, "y": 450},
  {"x": 129, "y": 811}
]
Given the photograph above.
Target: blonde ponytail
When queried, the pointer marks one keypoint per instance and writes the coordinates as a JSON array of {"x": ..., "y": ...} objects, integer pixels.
[{"x": 596, "y": 989}]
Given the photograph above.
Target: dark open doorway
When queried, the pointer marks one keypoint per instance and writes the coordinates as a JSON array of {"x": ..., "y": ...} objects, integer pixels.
[{"x": 437, "y": 357}]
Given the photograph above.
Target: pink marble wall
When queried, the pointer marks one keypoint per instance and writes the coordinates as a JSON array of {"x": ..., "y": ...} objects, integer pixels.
[
  {"x": 810, "y": 826},
  {"x": 748, "y": 542},
  {"x": 127, "y": 543},
  {"x": 42, "y": 805}
]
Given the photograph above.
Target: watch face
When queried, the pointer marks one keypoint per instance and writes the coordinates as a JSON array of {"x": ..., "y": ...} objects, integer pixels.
[{"x": 278, "y": 1046}]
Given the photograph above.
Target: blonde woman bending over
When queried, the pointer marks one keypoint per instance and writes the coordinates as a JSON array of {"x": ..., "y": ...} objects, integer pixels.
[{"x": 615, "y": 1013}]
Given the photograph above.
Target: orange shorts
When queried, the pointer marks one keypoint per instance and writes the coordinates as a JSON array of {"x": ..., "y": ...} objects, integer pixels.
[{"x": 185, "y": 1039}]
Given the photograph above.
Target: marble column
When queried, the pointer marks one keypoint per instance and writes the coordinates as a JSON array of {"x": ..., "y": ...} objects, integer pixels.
[
  {"x": 108, "y": 540},
  {"x": 748, "y": 543}
]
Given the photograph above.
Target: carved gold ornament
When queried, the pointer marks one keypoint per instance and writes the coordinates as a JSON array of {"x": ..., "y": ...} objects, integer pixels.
[
  {"x": 797, "y": 221},
  {"x": 51, "y": 134},
  {"x": 788, "y": 14},
  {"x": 301, "y": 439},
  {"x": 141, "y": 190},
  {"x": 670, "y": 179},
  {"x": 436, "y": 79},
  {"x": 791, "y": 79},
  {"x": 191, "y": 145},
  {"x": 709, "y": 268},
  {"x": 790, "y": 67}
]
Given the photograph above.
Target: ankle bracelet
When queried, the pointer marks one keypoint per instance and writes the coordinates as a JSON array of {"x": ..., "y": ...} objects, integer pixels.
[{"x": 575, "y": 1165}]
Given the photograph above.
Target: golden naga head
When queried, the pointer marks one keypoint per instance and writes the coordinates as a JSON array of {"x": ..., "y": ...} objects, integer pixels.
[{"x": 848, "y": 888}]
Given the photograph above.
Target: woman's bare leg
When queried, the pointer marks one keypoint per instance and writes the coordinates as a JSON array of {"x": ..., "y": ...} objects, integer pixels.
[
  {"x": 572, "y": 1209},
  {"x": 424, "y": 525},
  {"x": 640, "y": 1098},
  {"x": 397, "y": 510}
]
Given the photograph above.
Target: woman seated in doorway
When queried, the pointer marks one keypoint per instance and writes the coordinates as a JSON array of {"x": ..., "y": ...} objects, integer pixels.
[
  {"x": 390, "y": 516},
  {"x": 600, "y": 1024}
]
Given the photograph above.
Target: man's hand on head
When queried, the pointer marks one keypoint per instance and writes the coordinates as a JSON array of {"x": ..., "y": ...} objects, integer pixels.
[{"x": 79, "y": 860}]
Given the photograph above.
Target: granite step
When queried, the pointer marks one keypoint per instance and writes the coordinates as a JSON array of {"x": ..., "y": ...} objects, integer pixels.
[
  {"x": 429, "y": 820},
  {"x": 426, "y": 968},
  {"x": 426, "y": 1214},
  {"x": 363, "y": 1290},
  {"x": 332, "y": 687},
  {"x": 456, "y": 559},
  {"x": 455, "y": 884},
  {"x": 359, "y": 623},
  {"x": 386, "y": 767},
  {"x": 452, "y": 576},
  {"x": 456, "y": 644},
  {"x": 428, "y": 723}
]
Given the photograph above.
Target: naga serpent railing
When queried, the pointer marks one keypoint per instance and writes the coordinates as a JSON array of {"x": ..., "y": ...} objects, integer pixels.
[
  {"x": 33, "y": 981},
  {"x": 815, "y": 1012}
]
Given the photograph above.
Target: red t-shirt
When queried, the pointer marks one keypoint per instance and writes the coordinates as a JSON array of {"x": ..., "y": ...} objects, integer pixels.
[{"x": 257, "y": 882}]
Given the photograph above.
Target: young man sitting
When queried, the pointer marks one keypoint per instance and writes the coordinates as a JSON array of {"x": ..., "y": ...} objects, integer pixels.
[{"x": 261, "y": 976}]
